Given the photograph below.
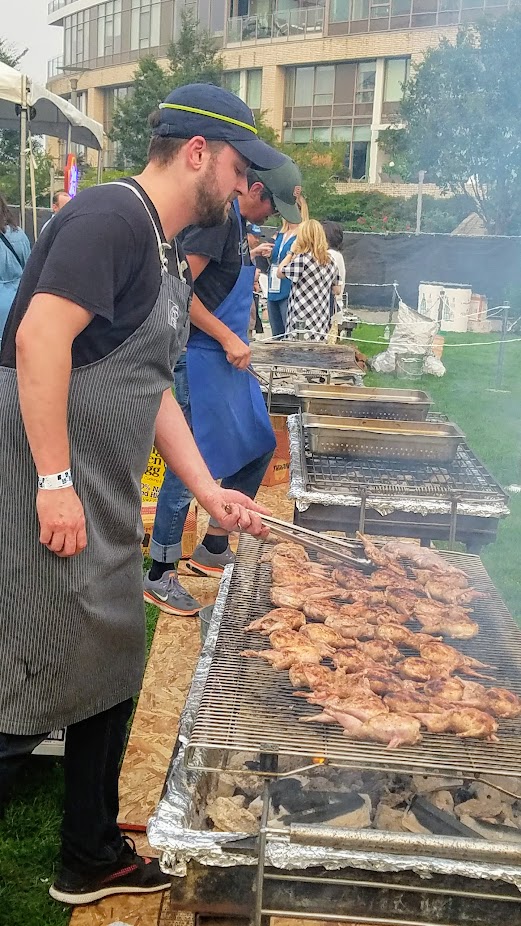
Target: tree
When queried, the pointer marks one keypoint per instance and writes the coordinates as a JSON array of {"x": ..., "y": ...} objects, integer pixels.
[
  {"x": 461, "y": 117},
  {"x": 9, "y": 55},
  {"x": 318, "y": 164},
  {"x": 193, "y": 58}
]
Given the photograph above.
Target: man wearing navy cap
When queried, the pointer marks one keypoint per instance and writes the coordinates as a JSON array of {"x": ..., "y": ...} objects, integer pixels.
[
  {"x": 221, "y": 400},
  {"x": 85, "y": 388}
]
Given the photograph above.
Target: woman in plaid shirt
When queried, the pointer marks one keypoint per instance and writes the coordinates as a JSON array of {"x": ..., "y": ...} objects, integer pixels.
[{"x": 314, "y": 277}]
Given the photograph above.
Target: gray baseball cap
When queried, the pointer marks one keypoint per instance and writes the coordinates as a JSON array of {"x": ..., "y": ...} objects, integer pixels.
[{"x": 285, "y": 185}]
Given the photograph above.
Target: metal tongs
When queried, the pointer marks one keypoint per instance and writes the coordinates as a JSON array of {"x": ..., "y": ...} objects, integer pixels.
[
  {"x": 322, "y": 543},
  {"x": 258, "y": 376}
]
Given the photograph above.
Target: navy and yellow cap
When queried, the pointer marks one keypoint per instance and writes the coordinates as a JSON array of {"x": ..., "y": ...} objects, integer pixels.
[{"x": 218, "y": 115}]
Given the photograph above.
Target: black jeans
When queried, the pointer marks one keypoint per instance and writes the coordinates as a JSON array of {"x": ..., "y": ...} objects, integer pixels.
[{"x": 93, "y": 748}]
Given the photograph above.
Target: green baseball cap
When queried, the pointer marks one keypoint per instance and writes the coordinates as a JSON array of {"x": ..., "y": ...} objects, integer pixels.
[{"x": 285, "y": 185}]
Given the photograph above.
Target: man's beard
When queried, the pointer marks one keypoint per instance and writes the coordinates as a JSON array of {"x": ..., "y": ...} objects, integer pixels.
[{"x": 209, "y": 210}]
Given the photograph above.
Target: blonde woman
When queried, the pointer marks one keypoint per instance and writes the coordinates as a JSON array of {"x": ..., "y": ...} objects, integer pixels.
[
  {"x": 279, "y": 289},
  {"x": 314, "y": 276}
]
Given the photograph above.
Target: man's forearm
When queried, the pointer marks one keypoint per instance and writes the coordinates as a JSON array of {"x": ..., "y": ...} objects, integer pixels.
[
  {"x": 207, "y": 322},
  {"x": 176, "y": 444},
  {"x": 43, "y": 365},
  {"x": 43, "y": 374}
]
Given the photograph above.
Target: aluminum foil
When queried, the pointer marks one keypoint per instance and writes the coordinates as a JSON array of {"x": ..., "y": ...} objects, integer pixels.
[
  {"x": 384, "y": 504},
  {"x": 176, "y": 832}
]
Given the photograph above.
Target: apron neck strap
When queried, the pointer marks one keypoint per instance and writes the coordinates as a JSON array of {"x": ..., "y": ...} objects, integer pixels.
[
  {"x": 239, "y": 219},
  {"x": 162, "y": 246}
]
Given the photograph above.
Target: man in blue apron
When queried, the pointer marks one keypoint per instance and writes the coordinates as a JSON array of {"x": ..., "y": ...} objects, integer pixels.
[
  {"x": 97, "y": 326},
  {"x": 221, "y": 400}
]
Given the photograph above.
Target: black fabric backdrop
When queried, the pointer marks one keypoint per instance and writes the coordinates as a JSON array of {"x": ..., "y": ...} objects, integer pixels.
[{"x": 490, "y": 265}]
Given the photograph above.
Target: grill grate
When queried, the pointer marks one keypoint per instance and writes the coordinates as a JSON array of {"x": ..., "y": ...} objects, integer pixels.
[
  {"x": 249, "y": 707},
  {"x": 311, "y": 356},
  {"x": 465, "y": 477}
]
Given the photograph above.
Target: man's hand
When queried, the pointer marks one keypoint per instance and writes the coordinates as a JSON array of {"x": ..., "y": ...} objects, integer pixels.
[
  {"x": 237, "y": 352},
  {"x": 235, "y": 511},
  {"x": 262, "y": 250},
  {"x": 62, "y": 521}
]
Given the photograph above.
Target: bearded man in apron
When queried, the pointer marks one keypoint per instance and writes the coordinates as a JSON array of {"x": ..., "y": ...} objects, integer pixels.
[
  {"x": 221, "y": 400},
  {"x": 85, "y": 386}
]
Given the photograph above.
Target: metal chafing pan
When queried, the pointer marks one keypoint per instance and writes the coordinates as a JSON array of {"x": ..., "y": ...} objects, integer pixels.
[
  {"x": 394, "y": 440},
  {"x": 359, "y": 402}
]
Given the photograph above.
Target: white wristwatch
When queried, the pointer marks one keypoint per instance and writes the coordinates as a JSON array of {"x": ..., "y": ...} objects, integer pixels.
[{"x": 57, "y": 481}]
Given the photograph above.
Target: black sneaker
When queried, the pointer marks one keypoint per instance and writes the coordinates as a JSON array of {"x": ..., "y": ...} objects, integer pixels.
[{"x": 131, "y": 874}]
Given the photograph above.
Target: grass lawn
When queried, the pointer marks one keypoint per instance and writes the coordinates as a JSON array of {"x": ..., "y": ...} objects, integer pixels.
[
  {"x": 492, "y": 423},
  {"x": 29, "y": 839}
]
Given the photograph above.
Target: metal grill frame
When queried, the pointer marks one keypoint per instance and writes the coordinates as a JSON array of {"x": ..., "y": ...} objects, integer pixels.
[
  {"x": 465, "y": 478},
  {"x": 249, "y": 707}
]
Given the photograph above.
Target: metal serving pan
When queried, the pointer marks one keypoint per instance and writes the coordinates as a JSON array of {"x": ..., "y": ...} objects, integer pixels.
[
  {"x": 359, "y": 402},
  {"x": 418, "y": 441}
]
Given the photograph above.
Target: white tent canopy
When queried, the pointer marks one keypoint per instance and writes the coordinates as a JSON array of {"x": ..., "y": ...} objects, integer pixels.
[{"x": 54, "y": 116}]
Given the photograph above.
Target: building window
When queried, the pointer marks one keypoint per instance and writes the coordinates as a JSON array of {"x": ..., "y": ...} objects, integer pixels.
[
  {"x": 245, "y": 84},
  {"x": 358, "y": 153},
  {"x": 232, "y": 82},
  {"x": 76, "y": 38},
  {"x": 254, "y": 88},
  {"x": 396, "y": 74},
  {"x": 145, "y": 24},
  {"x": 365, "y": 81},
  {"x": 112, "y": 96},
  {"x": 109, "y": 29},
  {"x": 324, "y": 86},
  {"x": 304, "y": 79},
  {"x": 359, "y": 9},
  {"x": 310, "y": 86},
  {"x": 339, "y": 11}
]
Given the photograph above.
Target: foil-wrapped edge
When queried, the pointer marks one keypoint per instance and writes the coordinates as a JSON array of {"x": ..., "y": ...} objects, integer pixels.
[
  {"x": 172, "y": 829},
  {"x": 172, "y": 817},
  {"x": 484, "y": 508}
]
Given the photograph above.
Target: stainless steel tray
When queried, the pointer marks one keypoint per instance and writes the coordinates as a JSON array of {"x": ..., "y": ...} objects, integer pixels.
[
  {"x": 393, "y": 440},
  {"x": 359, "y": 402}
]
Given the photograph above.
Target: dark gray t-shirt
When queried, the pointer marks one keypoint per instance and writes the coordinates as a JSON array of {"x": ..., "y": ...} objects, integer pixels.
[{"x": 100, "y": 252}]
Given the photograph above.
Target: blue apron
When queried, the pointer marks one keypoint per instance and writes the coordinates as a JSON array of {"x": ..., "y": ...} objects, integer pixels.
[{"x": 230, "y": 422}]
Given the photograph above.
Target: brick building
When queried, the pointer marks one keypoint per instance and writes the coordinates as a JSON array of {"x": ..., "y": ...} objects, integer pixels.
[{"x": 324, "y": 70}]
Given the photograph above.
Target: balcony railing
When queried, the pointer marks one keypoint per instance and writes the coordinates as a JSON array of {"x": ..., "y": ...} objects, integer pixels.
[
  {"x": 55, "y": 67},
  {"x": 288, "y": 24}
]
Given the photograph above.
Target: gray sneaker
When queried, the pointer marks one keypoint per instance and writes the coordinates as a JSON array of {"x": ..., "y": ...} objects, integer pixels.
[
  {"x": 204, "y": 563},
  {"x": 169, "y": 595}
]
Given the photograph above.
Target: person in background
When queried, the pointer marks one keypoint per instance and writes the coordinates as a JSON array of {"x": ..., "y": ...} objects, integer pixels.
[
  {"x": 220, "y": 399},
  {"x": 335, "y": 239},
  {"x": 279, "y": 289},
  {"x": 14, "y": 251},
  {"x": 313, "y": 274},
  {"x": 59, "y": 200}
]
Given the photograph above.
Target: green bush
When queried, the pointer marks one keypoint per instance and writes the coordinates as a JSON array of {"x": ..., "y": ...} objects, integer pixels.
[{"x": 377, "y": 212}]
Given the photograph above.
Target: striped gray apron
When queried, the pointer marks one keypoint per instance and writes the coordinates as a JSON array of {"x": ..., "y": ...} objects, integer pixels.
[{"x": 72, "y": 631}]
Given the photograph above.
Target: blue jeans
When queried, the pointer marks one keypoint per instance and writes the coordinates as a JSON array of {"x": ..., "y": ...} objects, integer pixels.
[
  {"x": 174, "y": 498},
  {"x": 277, "y": 314}
]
